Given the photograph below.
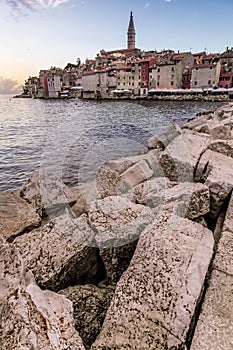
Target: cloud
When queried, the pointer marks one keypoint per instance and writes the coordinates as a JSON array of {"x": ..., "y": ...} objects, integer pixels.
[
  {"x": 9, "y": 86},
  {"x": 147, "y": 5},
  {"x": 20, "y": 5},
  {"x": 167, "y": 0}
]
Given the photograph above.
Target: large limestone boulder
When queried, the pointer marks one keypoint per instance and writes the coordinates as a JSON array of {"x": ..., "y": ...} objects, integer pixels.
[
  {"x": 216, "y": 171},
  {"x": 32, "y": 318},
  {"x": 61, "y": 253},
  {"x": 90, "y": 305},
  {"x": 161, "y": 141},
  {"x": 189, "y": 199},
  {"x": 16, "y": 215},
  {"x": 214, "y": 330},
  {"x": 118, "y": 224},
  {"x": 181, "y": 156},
  {"x": 224, "y": 147},
  {"x": 119, "y": 176},
  {"x": 156, "y": 298},
  {"x": 224, "y": 254},
  {"x": 46, "y": 192}
]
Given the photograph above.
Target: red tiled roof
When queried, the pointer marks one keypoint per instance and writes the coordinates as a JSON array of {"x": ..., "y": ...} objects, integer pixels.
[
  {"x": 210, "y": 56},
  {"x": 179, "y": 55},
  {"x": 204, "y": 65},
  {"x": 124, "y": 67}
]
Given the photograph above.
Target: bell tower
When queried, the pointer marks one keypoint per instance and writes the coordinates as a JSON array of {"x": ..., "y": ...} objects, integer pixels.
[{"x": 131, "y": 34}]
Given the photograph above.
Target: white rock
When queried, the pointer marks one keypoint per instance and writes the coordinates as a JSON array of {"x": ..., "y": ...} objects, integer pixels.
[
  {"x": 156, "y": 297},
  {"x": 216, "y": 170},
  {"x": 118, "y": 224},
  {"x": 214, "y": 330},
  {"x": 180, "y": 157},
  {"x": 16, "y": 215},
  {"x": 32, "y": 318},
  {"x": 60, "y": 253}
]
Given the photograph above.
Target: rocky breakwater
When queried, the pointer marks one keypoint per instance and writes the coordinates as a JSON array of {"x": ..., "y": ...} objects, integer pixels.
[{"x": 142, "y": 259}]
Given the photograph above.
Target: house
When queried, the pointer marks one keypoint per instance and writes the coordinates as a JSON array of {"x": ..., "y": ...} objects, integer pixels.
[
  {"x": 205, "y": 76},
  {"x": 31, "y": 86},
  {"x": 54, "y": 78},
  {"x": 167, "y": 76}
]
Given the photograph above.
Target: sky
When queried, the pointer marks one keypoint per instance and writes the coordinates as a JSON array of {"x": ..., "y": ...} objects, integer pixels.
[{"x": 38, "y": 34}]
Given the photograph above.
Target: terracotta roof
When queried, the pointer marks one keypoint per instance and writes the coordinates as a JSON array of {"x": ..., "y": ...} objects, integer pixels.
[
  {"x": 204, "y": 65},
  {"x": 124, "y": 67},
  {"x": 210, "y": 56},
  {"x": 179, "y": 55},
  {"x": 227, "y": 54}
]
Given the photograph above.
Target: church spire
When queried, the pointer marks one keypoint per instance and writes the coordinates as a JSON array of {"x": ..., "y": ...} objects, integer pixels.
[{"x": 131, "y": 33}]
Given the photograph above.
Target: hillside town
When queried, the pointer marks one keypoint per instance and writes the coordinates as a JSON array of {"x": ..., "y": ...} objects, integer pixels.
[{"x": 135, "y": 73}]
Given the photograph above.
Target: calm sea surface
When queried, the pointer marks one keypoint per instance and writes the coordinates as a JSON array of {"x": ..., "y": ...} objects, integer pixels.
[{"x": 74, "y": 137}]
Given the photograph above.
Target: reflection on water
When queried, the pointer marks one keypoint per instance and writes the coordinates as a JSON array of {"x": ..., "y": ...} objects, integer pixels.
[{"x": 74, "y": 137}]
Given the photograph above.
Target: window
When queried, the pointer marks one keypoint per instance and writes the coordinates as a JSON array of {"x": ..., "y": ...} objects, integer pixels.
[
  {"x": 133, "y": 83},
  {"x": 209, "y": 82},
  {"x": 158, "y": 83},
  {"x": 172, "y": 69},
  {"x": 195, "y": 82},
  {"x": 158, "y": 77},
  {"x": 158, "y": 70},
  {"x": 124, "y": 83},
  {"x": 172, "y": 82},
  {"x": 172, "y": 76}
]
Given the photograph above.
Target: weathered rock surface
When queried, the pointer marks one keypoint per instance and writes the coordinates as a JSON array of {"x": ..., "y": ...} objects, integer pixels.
[
  {"x": 216, "y": 171},
  {"x": 161, "y": 141},
  {"x": 214, "y": 330},
  {"x": 181, "y": 156},
  {"x": 156, "y": 297},
  {"x": 32, "y": 318},
  {"x": 118, "y": 224},
  {"x": 47, "y": 192},
  {"x": 61, "y": 253},
  {"x": 118, "y": 176},
  {"x": 190, "y": 200},
  {"x": 218, "y": 124},
  {"x": 224, "y": 255},
  {"x": 224, "y": 147},
  {"x": 90, "y": 305},
  {"x": 16, "y": 215}
]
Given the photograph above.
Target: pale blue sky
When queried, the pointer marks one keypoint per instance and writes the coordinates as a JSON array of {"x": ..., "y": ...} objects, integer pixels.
[{"x": 36, "y": 34}]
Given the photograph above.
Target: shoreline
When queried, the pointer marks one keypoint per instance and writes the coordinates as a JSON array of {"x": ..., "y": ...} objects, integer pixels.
[{"x": 211, "y": 96}]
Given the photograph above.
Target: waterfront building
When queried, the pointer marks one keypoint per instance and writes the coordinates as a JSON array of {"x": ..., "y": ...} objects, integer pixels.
[
  {"x": 43, "y": 84},
  {"x": 205, "y": 76},
  {"x": 31, "y": 86},
  {"x": 54, "y": 78},
  {"x": 99, "y": 83},
  {"x": 167, "y": 76}
]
